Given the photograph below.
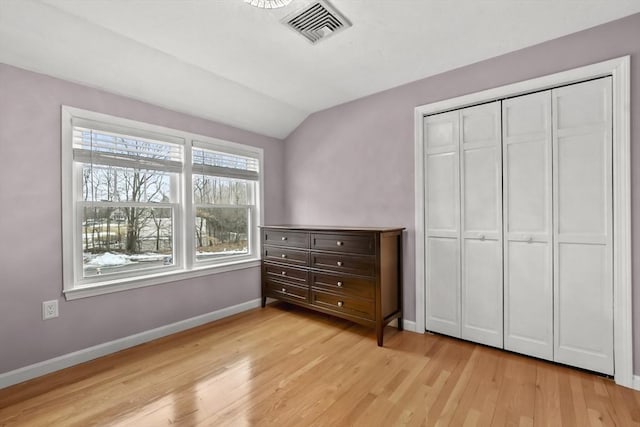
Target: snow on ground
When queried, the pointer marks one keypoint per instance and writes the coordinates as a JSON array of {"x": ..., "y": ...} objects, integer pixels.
[{"x": 107, "y": 259}]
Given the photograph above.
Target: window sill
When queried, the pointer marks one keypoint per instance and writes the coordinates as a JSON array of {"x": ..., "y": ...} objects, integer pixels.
[{"x": 156, "y": 279}]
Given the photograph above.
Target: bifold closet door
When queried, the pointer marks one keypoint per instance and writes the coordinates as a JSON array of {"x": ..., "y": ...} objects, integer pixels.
[
  {"x": 582, "y": 174},
  {"x": 528, "y": 248},
  {"x": 441, "y": 139},
  {"x": 481, "y": 224}
]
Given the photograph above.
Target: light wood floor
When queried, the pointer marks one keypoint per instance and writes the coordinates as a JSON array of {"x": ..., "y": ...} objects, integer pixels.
[{"x": 285, "y": 366}]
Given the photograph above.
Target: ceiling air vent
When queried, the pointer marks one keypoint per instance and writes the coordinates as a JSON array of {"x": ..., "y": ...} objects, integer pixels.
[{"x": 317, "y": 21}]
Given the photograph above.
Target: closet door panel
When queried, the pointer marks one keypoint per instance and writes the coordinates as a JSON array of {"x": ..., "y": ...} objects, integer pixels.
[
  {"x": 528, "y": 186},
  {"x": 443, "y": 292},
  {"x": 582, "y": 184},
  {"x": 480, "y": 124},
  {"x": 481, "y": 234},
  {"x": 584, "y": 306},
  {"x": 528, "y": 301},
  {"x": 442, "y": 198},
  {"x": 528, "y": 265},
  {"x": 482, "y": 294},
  {"x": 441, "y": 130},
  {"x": 526, "y": 117},
  {"x": 583, "y": 105},
  {"x": 441, "y": 133},
  {"x": 480, "y": 191},
  {"x": 583, "y": 225}
]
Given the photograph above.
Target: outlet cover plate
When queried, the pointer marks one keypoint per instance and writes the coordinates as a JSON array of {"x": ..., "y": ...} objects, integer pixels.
[{"x": 49, "y": 309}]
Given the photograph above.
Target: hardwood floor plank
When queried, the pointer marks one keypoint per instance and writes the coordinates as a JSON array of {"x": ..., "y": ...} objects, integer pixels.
[
  {"x": 547, "y": 396},
  {"x": 285, "y": 366},
  {"x": 626, "y": 403},
  {"x": 516, "y": 399}
]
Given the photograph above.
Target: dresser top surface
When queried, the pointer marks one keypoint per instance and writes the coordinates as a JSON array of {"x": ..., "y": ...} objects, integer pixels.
[{"x": 332, "y": 228}]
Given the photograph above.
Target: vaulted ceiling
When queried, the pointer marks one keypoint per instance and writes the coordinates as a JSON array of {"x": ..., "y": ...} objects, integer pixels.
[{"x": 228, "y": 61}]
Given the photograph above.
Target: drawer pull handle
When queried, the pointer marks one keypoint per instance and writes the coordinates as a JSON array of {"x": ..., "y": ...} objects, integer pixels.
[
  {"x": 339, "y": 243},
  {"x": 339, "y": 263},
  {"x": 283, "y": 255},
  {"x": 284, "y": 290},
  {"x": 530, "y": 239},
  {"x": 339, "y": 284},
  {"x": 283, "y": 238},
  {"x": 284, "y": 273},
  {"x": 340, "y": 303},
  {"x": 482, "y": 237}
]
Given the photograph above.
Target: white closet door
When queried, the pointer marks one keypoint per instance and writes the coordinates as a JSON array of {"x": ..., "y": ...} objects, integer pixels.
[
  {"x": 528, "y": 254},
  {"x": 583, "y": 225},
  {"x": 441, "y": 138},
  {"x": 481, "y": 239}
]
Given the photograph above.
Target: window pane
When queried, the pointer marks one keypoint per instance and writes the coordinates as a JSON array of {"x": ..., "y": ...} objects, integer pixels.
[
  {"x": 116, "y": 240},
  {"x": 221, "y": 232},
  {"x": 221, "y": 191},
  {"x": 116, "y": 184}
]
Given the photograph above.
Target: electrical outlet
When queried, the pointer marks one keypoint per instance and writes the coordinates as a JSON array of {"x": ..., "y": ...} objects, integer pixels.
[{"x": 49, "y": 309}]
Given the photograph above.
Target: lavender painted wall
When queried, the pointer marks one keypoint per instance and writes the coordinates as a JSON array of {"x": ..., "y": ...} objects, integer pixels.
[
  {"x": 30, "y": 218},
  {"x": 353, "y": 164}
]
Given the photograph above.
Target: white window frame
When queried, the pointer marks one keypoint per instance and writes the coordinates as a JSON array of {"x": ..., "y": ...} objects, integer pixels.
[
  {"x": 619, "y": 70},
  {"x": 185, "y": 266}
]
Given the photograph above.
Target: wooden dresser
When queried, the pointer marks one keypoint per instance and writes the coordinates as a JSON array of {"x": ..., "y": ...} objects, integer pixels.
[{"x": 353, "y": 273}]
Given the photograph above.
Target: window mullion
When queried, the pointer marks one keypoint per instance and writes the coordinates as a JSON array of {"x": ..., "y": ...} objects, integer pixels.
[{"x": 188, "y": 210}]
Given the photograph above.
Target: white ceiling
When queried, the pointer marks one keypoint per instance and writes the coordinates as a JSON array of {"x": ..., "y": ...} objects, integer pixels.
[{"x": 230, "y": 62}]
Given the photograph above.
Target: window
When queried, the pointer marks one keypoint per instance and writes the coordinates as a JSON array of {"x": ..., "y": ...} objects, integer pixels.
[
  {"x": 224, "y": 200},
  {"x": 144, "y": 204}
]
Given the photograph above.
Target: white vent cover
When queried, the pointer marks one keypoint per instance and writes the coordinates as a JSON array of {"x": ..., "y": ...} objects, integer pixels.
[{"x": 317, "y": 21}]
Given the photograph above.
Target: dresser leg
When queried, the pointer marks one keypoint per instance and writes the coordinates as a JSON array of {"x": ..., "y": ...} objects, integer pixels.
[
  {"x": 264, "y": 301},
  {"x": 380, "y": 334}
]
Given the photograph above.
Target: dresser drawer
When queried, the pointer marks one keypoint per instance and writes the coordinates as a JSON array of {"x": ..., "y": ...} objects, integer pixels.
[
  {"x": 281, "y": 273},
  {"x": 355, "y": 244},
  {"x": 353, "y": 264},
  {"x": 286, "y": 291},
  {"x": 344, "y": 285},
  {"x": 285, "y": 255},
  {"x": 353, "y": 306},
  {"x": 291, "y": 239}
]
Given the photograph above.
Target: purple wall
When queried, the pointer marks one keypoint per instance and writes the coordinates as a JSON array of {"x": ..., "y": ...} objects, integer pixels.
[
  {"x": 30, "y": 229},
  {"x": 353, "y": 164}
]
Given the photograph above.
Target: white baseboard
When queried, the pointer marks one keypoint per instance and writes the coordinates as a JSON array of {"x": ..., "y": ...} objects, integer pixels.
[
  {"x": 636, "y": 382},
  {"x": 66, "y": 360},
  {"x": 407, "y": 325}
]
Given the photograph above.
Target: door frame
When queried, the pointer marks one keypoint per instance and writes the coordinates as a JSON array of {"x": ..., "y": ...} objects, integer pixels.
[{"x": 619, "y": 70}]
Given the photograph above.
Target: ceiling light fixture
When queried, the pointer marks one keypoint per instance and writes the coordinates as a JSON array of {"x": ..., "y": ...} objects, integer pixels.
[{"x": 268, "y": 4}]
